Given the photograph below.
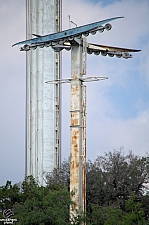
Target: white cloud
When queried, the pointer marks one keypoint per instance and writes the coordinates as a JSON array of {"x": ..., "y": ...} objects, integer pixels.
[{"x": 112, "y": 134}]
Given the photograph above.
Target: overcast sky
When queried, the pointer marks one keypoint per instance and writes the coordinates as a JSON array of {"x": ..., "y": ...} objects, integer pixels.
[{"x": 117, "y": 108}]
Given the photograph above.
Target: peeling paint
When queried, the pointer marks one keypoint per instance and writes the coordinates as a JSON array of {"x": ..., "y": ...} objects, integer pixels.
[{"x": 78, "y": 131}]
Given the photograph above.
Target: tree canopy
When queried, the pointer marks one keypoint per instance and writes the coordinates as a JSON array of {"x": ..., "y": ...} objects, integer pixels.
[
  {"x": 34, "y": 204},
  {"x": 116, "y": 194},
  {"x": 111, "y": 180}
]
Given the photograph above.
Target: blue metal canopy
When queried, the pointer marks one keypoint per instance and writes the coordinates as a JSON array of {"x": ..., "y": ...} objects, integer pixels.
[{"x": 66, "y": 33}]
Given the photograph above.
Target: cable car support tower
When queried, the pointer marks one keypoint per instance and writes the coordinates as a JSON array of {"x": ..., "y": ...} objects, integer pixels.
[{"x": 75, "y": 40}]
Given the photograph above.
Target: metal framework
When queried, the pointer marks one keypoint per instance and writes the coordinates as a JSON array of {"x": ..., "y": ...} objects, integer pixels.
[{"x": 74, "y": 39}]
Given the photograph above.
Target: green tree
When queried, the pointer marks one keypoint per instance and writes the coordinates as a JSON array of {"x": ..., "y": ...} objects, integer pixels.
[
  {"x": 9, "y": 194},
  {"x": 134, "y": 213},
  {"x": 60, "y": 176},
  {"x": 34, "y": 204},
  {"x": 110, "y": 180},
  {"x": 116, "y": 178},
  {"x": 112, "y": 215}
]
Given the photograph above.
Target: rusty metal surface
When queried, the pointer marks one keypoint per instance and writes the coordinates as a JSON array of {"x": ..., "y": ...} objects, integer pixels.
[
  {"x": 75, "y": 125},
  {"x": 84, "y": 53},
  {"x": 77, "y": 130},
  {"x": 84, "y": 148}
]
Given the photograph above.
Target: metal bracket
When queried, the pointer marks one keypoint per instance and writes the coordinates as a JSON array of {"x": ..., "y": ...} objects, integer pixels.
[
  {"x": 76, "y": 126},
  {"x": 68, "y": 80}
]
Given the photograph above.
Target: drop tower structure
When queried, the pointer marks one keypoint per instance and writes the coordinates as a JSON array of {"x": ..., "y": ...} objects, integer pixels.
[{"x": 43, "y": 150}]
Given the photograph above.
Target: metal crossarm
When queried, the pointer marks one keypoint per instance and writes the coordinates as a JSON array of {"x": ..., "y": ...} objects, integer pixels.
[
  {"x": 110, "y": 51},
  {"x": 65, "y": 39},
  {"x": 63, "y": 35},
  {"x": 68, "y": 80}
]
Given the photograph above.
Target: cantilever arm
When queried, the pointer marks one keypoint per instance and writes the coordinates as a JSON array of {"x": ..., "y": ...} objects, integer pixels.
[
  {"x": 111, "y": 48},
  {"x": 66, "y": 33}
]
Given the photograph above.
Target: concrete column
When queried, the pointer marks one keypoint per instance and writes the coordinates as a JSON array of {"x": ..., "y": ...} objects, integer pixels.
[{"x": 43, "y": 101}]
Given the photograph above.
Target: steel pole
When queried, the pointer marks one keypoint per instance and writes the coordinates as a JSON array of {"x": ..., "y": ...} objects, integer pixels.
[{"x": 77, "y": 130}]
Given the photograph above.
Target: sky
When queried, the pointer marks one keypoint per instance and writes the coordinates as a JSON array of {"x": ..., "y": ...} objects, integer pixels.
[{"x": 117, "y": 108}]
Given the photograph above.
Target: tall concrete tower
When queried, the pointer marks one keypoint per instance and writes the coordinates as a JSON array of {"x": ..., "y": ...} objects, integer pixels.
[{"x": 43, "y": 101}]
